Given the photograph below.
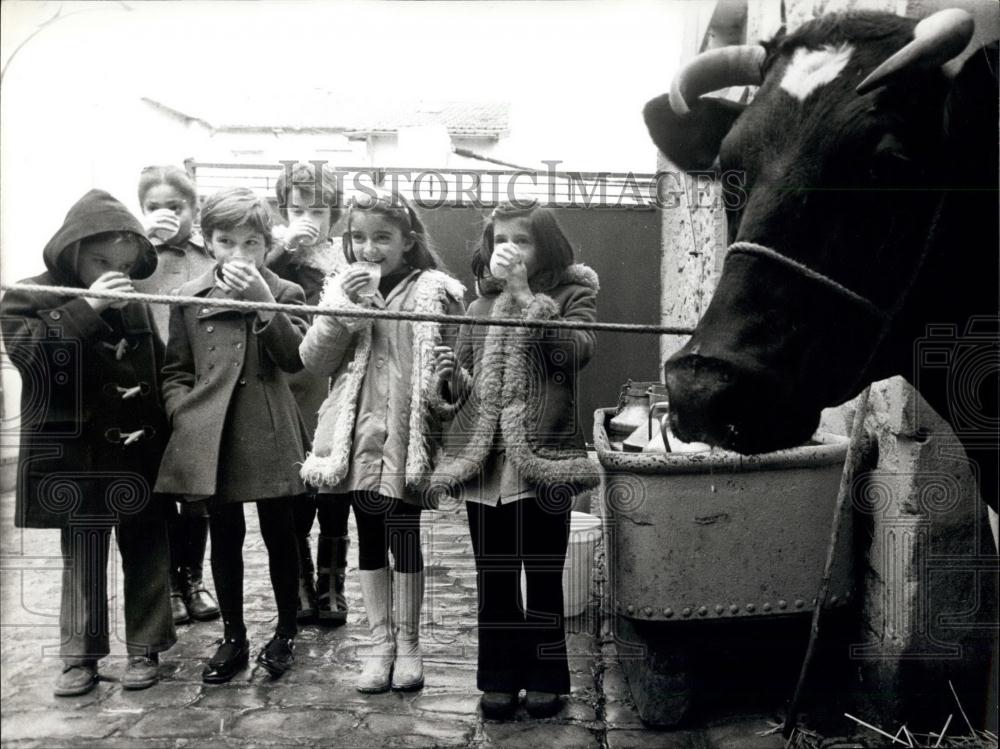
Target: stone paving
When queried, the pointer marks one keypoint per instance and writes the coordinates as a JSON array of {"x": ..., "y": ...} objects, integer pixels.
[{"x": 315, "y": 703}]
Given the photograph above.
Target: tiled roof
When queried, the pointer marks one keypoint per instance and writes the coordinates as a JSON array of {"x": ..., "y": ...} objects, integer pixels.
[{"x": 324, "y": 110}]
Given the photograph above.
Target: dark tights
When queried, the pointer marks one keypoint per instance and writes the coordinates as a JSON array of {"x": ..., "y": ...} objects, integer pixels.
[
  {"x": 277, "y": 527},
  {"x": 384, "y": 524},
  {"x": 332, "y": 512}
]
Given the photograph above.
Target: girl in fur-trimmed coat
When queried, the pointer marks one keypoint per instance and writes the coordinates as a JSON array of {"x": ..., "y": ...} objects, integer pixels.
[
  {"x": 515, "y": 449},
  {"x": 377, "y": 432}
]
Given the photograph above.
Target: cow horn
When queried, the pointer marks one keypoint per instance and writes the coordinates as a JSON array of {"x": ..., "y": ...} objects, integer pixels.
[
  {"x": 718, "y": 68},
  {"x": 936, "y": 40}
]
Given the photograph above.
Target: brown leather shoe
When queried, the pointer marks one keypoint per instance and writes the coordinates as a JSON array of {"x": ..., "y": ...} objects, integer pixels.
[
  {"x": 200, "y": 604},
  {"x": 141, "y": 672},
  {"x": 178, "y": 608},
  {"x": 76, "y": 679}
]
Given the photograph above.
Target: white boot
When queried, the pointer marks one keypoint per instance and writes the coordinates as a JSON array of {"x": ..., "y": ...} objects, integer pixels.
[
  {"x": 377, "y": 672},
  {"x": 408, "y": 592}
]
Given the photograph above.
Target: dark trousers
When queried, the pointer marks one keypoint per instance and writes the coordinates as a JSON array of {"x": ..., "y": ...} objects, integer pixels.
[
  {"x": 384, "y": 524},
  {"x": 521, "y": 645},
  {"x": 277, "y": 527},
  {"x": 332, "y": 512},
  {"x": 83, "y": 610}
]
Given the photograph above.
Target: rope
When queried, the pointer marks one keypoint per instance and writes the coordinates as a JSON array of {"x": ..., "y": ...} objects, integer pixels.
[
  {"x": 752, "y": 248},
  {"x": 302, "y": 309}
]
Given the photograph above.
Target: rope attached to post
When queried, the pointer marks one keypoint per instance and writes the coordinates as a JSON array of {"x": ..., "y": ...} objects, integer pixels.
[{"x": 302, "y": 309}]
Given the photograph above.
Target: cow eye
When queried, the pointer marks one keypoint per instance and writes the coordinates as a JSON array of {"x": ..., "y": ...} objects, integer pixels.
[{"x": 890, "y": 164}]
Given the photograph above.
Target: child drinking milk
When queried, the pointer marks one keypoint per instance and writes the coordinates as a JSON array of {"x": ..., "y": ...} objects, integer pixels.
[
  {"x": 237, "y": 434},
  {"x": 169, "y": 205},
  {"x": 375, "y": 438},
  {"x": 306, "y": 252},
  {"x": 514, "y": 449},
  {"x": 92, "y": 434}
]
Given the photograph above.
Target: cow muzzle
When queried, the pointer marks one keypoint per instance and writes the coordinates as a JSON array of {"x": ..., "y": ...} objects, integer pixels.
[{"x": 723, "y": 404}]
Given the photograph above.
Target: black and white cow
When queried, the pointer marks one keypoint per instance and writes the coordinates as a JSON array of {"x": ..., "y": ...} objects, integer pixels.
[{"x": 871, "y": 212}]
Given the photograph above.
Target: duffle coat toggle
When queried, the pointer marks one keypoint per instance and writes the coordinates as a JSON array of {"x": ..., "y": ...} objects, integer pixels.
[{"x": 116, "y": 434}]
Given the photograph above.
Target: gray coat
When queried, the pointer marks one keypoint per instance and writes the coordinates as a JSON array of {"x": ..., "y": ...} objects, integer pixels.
[{"x": 237, "y": 432}]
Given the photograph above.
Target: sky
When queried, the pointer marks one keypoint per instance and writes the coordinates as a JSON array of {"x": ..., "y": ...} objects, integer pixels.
[{"x": 575, "y": 73}]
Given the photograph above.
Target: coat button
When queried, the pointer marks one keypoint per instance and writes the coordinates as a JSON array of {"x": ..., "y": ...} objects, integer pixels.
[
  {"x": 236, "y": 364},
  {"x": 239, "y": 345},
  {"x": 55, "y": 314},
  {"x": 380, "y": 362},
  {"x": 210, "y": 328},
  {"x": 211, "y": 348},
  {"x": 243, "y": 381}
]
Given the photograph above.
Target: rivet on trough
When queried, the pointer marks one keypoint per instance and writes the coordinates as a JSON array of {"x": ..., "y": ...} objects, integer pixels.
[
  {"x": 648, "y": 611},
  {"x": 630, "y": 608},
  {"x": 733, "y": 609},
  {"x": 766, "y": 607},
  {"x": 719, "y": 608},
  {"x": 799, "y": 603},
  {"x": 782, "y": 603},
  {"x": 668, "y": 612},
  {"x": 702, "y": 610},
  {"x": 686, "y": 612},
  {"x": 751, "y": 608}
]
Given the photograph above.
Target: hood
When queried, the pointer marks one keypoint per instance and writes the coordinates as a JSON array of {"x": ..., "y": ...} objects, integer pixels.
[
  {"x": 95, "y": 213},
  {"x": 578, "y": 273}
]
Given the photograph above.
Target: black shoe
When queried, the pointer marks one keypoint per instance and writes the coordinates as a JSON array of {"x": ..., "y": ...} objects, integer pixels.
[
  {"x": 231, "y": 656},
  {"x": 498, "y": 705},
  {"x": 542, "y": 704},
  {"x": 277, "y": 656}
]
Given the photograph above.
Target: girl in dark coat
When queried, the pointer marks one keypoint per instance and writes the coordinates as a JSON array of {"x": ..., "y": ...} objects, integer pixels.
[
  {"x": 306, "y": 252},
  {"x": 92, "y": 434},
  {"x": 514, "y": 449},
  {"x": 237, "y": 433}
]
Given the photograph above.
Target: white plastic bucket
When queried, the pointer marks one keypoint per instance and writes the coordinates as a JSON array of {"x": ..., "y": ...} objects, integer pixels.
[{"x": 584, "y": 533}]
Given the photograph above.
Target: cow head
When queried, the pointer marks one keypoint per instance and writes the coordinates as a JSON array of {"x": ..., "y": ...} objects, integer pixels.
[{"x": 844, "y": 152}]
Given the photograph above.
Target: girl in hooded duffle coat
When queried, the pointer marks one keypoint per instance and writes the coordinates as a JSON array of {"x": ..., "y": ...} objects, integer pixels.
[
  {"x": 514, "y": 449},
  {"x": 237, "y": 433},
  {"x": 377, "y": 431},
  {"x": 92, "y": 434}
]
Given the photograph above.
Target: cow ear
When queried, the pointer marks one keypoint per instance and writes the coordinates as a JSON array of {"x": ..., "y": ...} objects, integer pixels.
[
  {"x": 971, "y": 115},
  {"x": 691, "y": 141}
]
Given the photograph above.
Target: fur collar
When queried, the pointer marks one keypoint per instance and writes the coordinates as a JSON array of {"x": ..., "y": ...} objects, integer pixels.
[
  {"x": 503, "y": 394},
  {"x": 577, "y": 274}
]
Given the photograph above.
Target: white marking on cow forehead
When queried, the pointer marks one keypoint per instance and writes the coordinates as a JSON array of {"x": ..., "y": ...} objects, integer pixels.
[{"x": 812, "y": 68}]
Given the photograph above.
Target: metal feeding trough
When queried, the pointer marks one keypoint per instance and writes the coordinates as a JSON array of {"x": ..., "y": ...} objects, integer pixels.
[{"x": 713, "y": 536}]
